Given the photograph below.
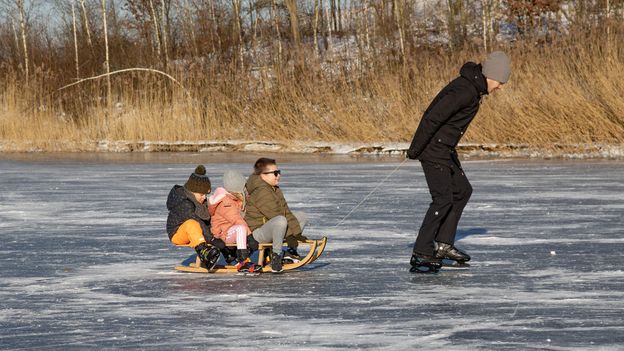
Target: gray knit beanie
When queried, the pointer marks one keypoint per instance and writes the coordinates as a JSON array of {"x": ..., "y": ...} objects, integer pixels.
[
  {"x": 497, "y": 67},
  {"x": 233, "y": 181}
]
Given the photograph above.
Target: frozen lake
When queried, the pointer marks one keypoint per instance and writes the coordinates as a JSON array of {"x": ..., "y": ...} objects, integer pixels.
[{"x": 86, "y": 263}]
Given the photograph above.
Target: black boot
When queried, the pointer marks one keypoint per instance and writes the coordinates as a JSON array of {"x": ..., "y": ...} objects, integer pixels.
[
  {"x": 242, "y": 255},
  {"x": 230, "y": 255},
  {"x": 208, "y": 254},
  {"x": 424, "y": 263},
  {"x": 276, "y": 262},
  {"x": 450, "y": 252}
]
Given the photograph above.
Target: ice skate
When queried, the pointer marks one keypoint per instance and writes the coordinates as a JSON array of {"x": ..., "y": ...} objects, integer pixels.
[
  {"x": 444, "y": 251},
  {"x": 208, "y": 254},
  {"x": 425, "y": 263}
]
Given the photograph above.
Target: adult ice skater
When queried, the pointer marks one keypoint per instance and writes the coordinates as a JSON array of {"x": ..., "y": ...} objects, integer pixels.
[{"x": 443, "y": 124}]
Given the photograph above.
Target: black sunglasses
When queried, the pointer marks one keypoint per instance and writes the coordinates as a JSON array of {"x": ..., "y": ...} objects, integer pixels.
[{"x": 275, "y": 172}]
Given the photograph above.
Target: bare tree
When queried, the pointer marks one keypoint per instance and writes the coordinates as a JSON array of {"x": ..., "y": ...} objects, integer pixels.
[
  {"x": 22, "y": 20},
  {"x": 398, "y": 12},
  {"x": 215, "y": 26},
  {"x": 291, "y": 5},
  {"x": 315, "y": 26},
  {"x": 156, "y": 31},
  {"x": 165, "y": 29},
  {"x": 76, "y": 60},
  {"x": 238, "y": 31},
  {"x": 277, "y": 29},
  {"x": 329, "y": 27},
  {"x": 85, "y": 21},
  {"x": 109, "y": 89}
]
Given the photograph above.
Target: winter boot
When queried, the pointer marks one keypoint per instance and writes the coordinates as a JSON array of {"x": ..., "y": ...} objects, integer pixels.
[
  {"x": 208, "y": 254},
  {"x": 276, "y": 262},
  {"x": 291, "y": 255},
  {"x": 450, "y": 252},
  {"x": 248, "y": 266},
  {"x": 244, "y": 262},
  {"x": 230, "y": 255},
  {"x": 424, "y": 263}
]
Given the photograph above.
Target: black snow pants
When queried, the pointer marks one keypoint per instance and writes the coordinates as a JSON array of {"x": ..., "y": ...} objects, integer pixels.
[{"x": 450, "y": 191}]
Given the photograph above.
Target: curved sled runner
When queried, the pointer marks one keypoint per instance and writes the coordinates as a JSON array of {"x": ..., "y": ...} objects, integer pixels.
[{"x": 316, "y": 248}]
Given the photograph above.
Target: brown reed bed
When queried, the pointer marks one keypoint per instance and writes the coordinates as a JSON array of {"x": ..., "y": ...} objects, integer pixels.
[{"x": 565, "y": 92}]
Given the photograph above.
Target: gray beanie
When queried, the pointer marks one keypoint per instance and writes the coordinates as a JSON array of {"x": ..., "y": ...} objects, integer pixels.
[
  {"x": 233, "y": 181},
  {"x": 497, "y": 66}
]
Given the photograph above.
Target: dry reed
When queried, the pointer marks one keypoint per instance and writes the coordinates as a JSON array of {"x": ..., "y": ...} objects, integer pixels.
[{"x": 562, "y": 93}]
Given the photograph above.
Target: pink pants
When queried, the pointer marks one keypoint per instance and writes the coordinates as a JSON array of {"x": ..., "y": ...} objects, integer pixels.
[{"x": 237, "y": 234}]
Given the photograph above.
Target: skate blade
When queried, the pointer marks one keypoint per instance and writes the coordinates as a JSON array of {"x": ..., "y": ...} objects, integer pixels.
[
  {"x": 424, "y": 270},
  {"x": 450, "y": 264}
]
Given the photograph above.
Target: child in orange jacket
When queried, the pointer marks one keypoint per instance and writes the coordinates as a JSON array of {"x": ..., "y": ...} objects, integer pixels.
[{"x": 227, "y": 221}]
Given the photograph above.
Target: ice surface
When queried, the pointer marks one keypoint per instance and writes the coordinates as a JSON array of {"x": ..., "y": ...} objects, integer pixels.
[{"x": 86, "y": 263}]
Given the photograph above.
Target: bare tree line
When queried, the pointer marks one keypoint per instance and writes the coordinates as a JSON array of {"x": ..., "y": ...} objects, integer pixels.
[{"x": 89, "y": 37}]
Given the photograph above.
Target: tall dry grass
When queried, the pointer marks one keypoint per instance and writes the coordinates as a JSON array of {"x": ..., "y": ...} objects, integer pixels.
[{"x": 565, "y": 92}]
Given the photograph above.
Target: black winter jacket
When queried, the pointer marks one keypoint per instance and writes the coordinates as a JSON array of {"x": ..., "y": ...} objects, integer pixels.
[
  {"x": 446, "y": 119},
  {"x": 182, "y": 206}
]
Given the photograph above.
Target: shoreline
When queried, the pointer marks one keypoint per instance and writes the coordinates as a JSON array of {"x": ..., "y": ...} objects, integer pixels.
[{"x": 247, "y": 149}]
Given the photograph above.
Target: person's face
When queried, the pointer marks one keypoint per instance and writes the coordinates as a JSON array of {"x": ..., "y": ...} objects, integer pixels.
[
  {"x": 493, "y": 85},
  {"x": 271, "y": 175},
  {"x": 200, "y": 197}
]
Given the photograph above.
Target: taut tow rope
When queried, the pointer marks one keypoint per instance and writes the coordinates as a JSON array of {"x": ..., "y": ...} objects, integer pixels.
[{"x": 370, "y": 193}]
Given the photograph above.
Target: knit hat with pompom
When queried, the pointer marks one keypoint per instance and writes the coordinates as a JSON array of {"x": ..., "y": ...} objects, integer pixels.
[{"x": 198, "y": 182}]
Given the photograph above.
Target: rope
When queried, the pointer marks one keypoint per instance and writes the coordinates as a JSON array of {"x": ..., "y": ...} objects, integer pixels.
[{"x": 371, "y": 192}]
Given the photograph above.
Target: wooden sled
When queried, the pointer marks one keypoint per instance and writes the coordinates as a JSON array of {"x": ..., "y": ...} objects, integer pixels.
[{"x": 316, "y": 248}]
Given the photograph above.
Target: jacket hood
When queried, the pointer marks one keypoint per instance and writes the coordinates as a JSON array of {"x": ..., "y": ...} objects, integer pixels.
[
  {"x": 218, "y": 196},
  {"x": 473, "y": 73},
  {"x": 179, "y": 194},
  {"x": 176, "y": 196}
]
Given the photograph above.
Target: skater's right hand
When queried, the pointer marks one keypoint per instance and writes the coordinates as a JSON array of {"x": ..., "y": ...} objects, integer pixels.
[{"x": 411, "y": 154}]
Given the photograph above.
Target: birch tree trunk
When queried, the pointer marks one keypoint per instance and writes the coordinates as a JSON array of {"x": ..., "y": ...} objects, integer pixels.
[
  {"x": 17, "y": 43},
  {"x": 291, "y": 5},
  {"x": 450, "y": 23},
  {"x": 277, "y": 30},
  {"x": 329, "y": 26},
  {"x": 339, "y": 8},
  {"x": 156, "y": 31},
  {"x": 253, "y": 18},
  {"x": 164, "y": 27},
  {"x": 332, "y": 5},
  {"x": 608, "y": 18},
  {"x": 109, "y": 89},
  {"x": 484, "y": 23},
  {"x": 315, "y": 27},
  {"x": 76, "y": 59},
  {"x": 366, "y": 26},
  {"x": 85, "y": 21},
  {"x": 238, "y": 31},
  {"x": 20, "y": 7},
  {"x": 398, "y": 18},
  {"x": 215, "y": 27},
  {"x": 191, "y": 28}
]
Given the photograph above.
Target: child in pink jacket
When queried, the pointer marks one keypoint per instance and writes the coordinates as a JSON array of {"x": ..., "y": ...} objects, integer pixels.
[{"x": 226, "y": 219}]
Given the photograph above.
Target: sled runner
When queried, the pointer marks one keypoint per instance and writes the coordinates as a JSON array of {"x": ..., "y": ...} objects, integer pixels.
[{"x": 316, "y": 248}]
